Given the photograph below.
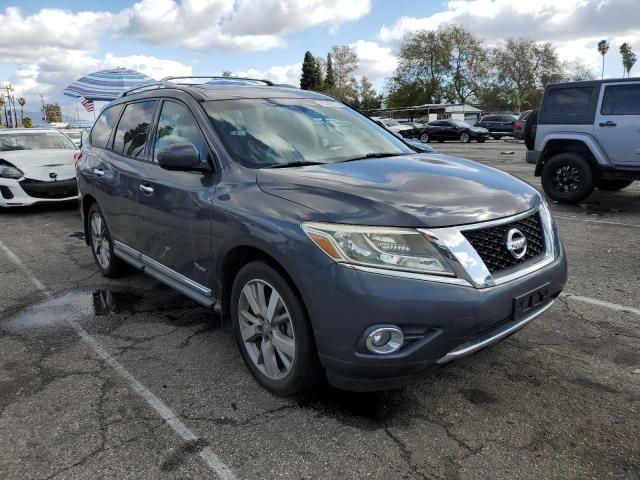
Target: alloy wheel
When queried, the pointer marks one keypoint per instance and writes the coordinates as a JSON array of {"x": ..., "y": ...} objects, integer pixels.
[
  {"x": 266, "y": 329},
  {"x": 464, "y": 138},
  {"x": 424, "y": 138},
  {"x": 566, "y": 179},
  {"x": 100, "y": 241}
]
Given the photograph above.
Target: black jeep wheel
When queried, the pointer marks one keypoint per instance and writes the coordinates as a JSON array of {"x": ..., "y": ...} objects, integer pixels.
[
  {"x": 567, "y": 178},
  {"x": 612, "y": 185}
]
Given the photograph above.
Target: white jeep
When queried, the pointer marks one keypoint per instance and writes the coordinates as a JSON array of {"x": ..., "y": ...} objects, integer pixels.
[{"x": 586, "y": 135}]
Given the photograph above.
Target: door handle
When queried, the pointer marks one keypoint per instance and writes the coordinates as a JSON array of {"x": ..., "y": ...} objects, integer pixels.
[
  {"x": 98, "y": 172},
  {"x": 146, "y": 189},
  {"x": 608, "y": 124}
]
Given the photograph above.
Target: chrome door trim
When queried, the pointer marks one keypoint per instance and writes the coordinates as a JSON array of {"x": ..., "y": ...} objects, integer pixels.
[
  {"x": 175, "y": 275},
  {"x": 142, "y": 261}
]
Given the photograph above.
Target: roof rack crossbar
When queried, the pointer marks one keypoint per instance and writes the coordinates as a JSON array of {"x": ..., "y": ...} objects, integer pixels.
[
  {"x": 218, "y": 77},
  {"x": 146, "y": 86}
]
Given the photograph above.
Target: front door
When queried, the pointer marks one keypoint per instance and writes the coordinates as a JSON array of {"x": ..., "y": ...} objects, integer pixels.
[
  {"x": 617, "y": 125},
  {"x": 174, "y": 206}
]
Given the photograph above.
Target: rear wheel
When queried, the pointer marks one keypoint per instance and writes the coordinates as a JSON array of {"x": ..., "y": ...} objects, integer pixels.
[
  {"x": 612, "y": 185},
  {"x": 465, "y": 137},
  {"x": 101, "y": 244},
  {"x": 273, "y": 332},
  {"x": 481, "y": 140},
  {"x": 567, "y": 178},
  {"x": 495, "y": 137}
]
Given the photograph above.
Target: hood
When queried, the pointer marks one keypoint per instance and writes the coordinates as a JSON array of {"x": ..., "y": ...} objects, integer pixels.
[
  {"x": 422, "y": 190},
  {"x": 38, "y": 164},
  {"x": 480, "y": 130},
  {"x": 400, "y": 128}
]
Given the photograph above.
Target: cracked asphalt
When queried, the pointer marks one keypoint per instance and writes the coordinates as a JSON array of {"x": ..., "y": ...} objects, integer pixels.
[{"x": 558, "y": 400}]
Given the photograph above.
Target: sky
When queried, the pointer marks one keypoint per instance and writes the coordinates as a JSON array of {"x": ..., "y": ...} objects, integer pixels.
[{"x": 45, "y": 45}]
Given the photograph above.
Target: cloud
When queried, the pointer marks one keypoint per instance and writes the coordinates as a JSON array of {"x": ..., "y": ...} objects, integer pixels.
[
  {"x": 289, "y": 74},
  {"x": 243, "y": 25},
  {"x": 274, "y": 17},
  {"x": 375, "y": 61},
  {"x": 46, "y": 33}
]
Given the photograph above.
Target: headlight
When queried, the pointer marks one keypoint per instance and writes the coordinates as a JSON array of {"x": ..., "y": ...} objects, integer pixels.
[
  {"x": 9, "y": 171},
  {"x": 381, "y": 247}
]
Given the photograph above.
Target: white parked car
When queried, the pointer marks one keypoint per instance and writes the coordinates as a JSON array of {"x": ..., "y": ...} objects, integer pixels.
[
  {"x": 36, "y": 165},
  {"x": 75, "y": 135}
]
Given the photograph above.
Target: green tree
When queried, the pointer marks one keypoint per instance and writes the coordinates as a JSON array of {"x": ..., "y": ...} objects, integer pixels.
[
  {"x": 603, "y": 48},
  {"x": 576, "y": 71},
  {"x": 628, "y": 58},
  {"x": 311, "y": 78},
  {"x": 368, "y": 98},
  {"x": 52, "y": 112},
  {"x": 467, "y": 64},
  {"x": 329, "y": 78},
  {"x": 27, "y": 122}
]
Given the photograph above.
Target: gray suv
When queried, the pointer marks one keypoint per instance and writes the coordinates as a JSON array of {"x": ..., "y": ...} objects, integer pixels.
[
  {"x": 587, "y": 136},
  {"x": 332, "y": 249}
]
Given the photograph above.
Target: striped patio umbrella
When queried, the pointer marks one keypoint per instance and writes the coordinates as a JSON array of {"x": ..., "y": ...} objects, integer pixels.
[{"x": 106, "y": 85}]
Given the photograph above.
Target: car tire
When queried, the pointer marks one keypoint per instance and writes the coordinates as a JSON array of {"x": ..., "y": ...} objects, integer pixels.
[
  {"x": 530, "y": 129},
  {"x": 293, "y": 366},
  {"x": 424, "y": 138},
  {"x": 567, "y": 178},
  {"x": 612, "y": 185},
  {"x": 465, "y": 137},
  {"x": 102, "y": 245},
  {"x": 495, "y": 137}
]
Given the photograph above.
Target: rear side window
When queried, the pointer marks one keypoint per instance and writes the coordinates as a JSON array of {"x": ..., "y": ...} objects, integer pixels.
[
  {"x": 573, "y": 101},
  {"x": 490, "y": 119},
  {"x": 177, "y": 125},
  {"x": 621, "y": 100},
  {"x": 102, "y": 129},
  {"x": 133, "y": 129}
]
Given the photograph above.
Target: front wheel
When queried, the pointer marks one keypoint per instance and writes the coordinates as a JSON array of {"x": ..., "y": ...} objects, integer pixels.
[
  {"x": 567, "y": 178},
  {"x": 465, "y": 137},
  {"x": 273, "y": 332},
  {"x": 612, "y": 185},
  {"x": 101, "y": 244},
  {"x": 424, "y": 138}
]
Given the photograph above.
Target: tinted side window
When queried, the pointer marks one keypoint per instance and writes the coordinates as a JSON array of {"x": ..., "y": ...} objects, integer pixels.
[
  {"x": 102, "y": 129},
  {"x": 621, "y": 100},
  {"x": 573, "y": 101},
  {"x": 490, "y": 119},
  {"x": 133, "y": 129},
  {"x": 177, "y": 125}
]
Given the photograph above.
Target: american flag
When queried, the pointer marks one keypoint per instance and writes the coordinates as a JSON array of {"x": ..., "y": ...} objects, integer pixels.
[{"x": 88, "y": 105}]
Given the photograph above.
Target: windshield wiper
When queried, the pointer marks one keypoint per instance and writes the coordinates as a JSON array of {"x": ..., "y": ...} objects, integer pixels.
[
  {"x": 373, "y": 155},
  {"x": 300, "y": 163}
]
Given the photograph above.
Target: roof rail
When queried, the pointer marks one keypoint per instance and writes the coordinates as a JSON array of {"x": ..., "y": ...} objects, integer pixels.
[
  {"x": 143, "y": 87},
  {"x": 218, "y": 77}
]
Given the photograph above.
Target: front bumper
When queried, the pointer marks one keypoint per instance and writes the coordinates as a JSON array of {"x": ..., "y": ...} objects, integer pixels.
[
  {"x": 441, "y": 321},
  {"x": 24, "y": 192}
]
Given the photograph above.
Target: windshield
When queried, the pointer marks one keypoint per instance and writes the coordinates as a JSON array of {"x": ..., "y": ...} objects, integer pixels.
[
  {"x": 35, "y": 141},
  {"x": 460, "y": 123},
  {"x": 276, "y": 132},
  {"x": 74, "y": 135},
  {"x": 391, "y": 123}
]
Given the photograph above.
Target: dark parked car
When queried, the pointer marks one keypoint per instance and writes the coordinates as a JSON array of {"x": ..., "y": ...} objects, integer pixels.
[
  {"x": 521, "y": 123},
  {"x": 442, "y": 130},
  {"x": 330, "y": 246},
  {"x": 498, "y": 125}
]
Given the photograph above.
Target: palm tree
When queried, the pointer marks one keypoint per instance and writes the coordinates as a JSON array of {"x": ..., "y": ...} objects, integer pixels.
[
  {"x": 21, "y": 102},
  {"x": 629, "y": 58},
  {"x": 603, "y": 48}
]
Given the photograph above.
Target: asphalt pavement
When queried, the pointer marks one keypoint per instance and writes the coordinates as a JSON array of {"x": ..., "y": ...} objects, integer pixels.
[{"x": 128, "y": 379}]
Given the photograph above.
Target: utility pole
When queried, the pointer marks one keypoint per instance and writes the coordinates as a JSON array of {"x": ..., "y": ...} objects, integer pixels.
[{"x": 44, "y": 110}]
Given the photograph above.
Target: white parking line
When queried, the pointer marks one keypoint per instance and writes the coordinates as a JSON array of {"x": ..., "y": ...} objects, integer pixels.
[
  {"x": 604, "y": 222},
  {"x": 210, "y": 458},
  {"x": 601, "y": 303}
]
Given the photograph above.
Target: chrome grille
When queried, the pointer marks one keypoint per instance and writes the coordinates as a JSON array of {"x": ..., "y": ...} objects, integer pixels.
[{"x": 490, "y": 243}]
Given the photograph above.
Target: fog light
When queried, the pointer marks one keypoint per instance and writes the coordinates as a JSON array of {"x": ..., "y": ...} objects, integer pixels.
[{"x": 385, "y": 340}]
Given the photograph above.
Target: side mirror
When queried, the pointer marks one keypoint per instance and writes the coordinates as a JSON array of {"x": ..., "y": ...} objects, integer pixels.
[{"x": 181, "y": 156}]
